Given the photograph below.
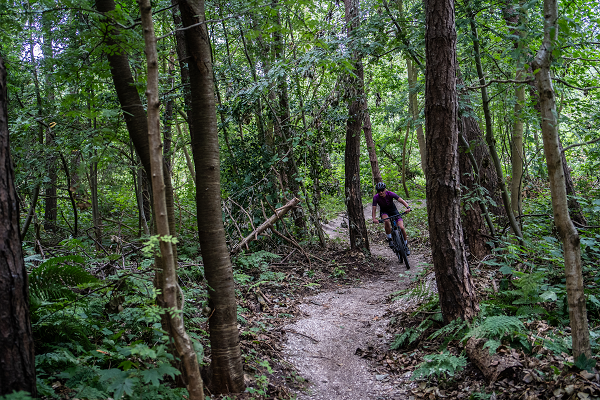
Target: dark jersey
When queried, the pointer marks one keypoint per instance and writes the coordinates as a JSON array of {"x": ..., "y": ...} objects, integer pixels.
[{"x": 386, "y": 204}]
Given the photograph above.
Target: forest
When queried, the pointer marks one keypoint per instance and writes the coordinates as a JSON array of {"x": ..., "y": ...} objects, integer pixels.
[{"x": 186, "y": 190}]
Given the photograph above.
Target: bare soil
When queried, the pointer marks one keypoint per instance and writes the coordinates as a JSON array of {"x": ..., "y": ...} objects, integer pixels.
[{"x": 341, "y": 324}]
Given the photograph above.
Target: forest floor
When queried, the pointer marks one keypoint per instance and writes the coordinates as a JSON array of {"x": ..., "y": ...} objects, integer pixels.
[{"x": 327, "y": 331}]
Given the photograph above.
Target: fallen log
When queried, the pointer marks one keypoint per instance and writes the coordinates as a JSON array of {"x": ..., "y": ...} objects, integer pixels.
[
  {"x": 491, "y": 365},
  {"x": 280, "y": 212}
]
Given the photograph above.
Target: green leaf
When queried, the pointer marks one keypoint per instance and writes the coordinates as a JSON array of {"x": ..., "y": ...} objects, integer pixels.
[
  {"x": 582, "y": 362},
  {"x": 506, "y": 270}
]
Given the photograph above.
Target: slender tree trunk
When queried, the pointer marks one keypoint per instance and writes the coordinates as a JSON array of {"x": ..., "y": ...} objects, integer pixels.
[
  {"x": 31, "y": 212},
  {"x": 137, "y": 127},
  {"x": 566, "y": 229},
  {"x": 511, "y": 16},
  {"x": 17, "y": 362},
  {"x": 163, "y": 226},
  {"x": 489, "y": 136},
  {"x": 414, "y": 110},
  {"x": 226, "y": 366},
  {"x": 355, "y": 94},
  {"x": 140, "y": 200},
  {"x": 97, "y": 221},
  {"x": 71, "y": 197},
  {"x": 368, "y": 130},
  {"x": 517, "y": 154},
  {"x": 575, "y": 210},
  {"x": 405, "y": 161},
  {"x": 453, "y": 277}
]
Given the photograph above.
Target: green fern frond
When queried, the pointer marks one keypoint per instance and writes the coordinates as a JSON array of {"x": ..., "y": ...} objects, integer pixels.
[
  {"x": 496, "y": 327},
  {"x": 451, "y": 329},
  {"x": 410, "y": 335},
  {"x": 55, "y": 278},
  {"x": 439, "y": 365}
]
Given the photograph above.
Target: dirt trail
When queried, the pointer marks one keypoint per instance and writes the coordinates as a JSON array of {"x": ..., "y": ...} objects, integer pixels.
[{"x": 322, "y": 346}]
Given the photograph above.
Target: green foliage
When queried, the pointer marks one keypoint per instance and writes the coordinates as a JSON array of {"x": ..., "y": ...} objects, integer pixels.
[
  {"x": 56, "y": 278},
  {"x": 439, "y": 365},
  {"x": 584, "y": 363},
  {"x": 410, "y": 335},
  {"x": 16, "y": 396}
]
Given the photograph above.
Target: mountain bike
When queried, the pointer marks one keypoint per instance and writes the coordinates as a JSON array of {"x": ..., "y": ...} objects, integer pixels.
[{"x": 397, "y": 239}]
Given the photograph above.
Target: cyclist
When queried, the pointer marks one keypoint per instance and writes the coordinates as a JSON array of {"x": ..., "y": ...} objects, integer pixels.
[{"x": 385, "y": 199}]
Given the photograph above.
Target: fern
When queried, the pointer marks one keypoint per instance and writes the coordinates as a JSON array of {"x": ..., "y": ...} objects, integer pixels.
[
  {"x": 443, "y": 364},
  {"x": 55, "y": 278},
  {"x": 496, "y": 327},
  {"x": 410, "y": 335}
]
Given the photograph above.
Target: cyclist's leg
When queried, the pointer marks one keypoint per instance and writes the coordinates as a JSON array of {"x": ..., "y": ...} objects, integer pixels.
[
  {"x": 387, "y": 224},
  {"x": 401, "y": 226}
]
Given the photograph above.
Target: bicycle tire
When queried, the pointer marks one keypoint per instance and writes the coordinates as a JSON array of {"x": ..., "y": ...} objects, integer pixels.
[
  {"x": 398, "y": 246},
  {"x": 401, "y": 250}
]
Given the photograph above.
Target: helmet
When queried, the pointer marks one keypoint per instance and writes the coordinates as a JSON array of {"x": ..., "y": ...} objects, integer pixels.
[{"x": 380, "y": 186}]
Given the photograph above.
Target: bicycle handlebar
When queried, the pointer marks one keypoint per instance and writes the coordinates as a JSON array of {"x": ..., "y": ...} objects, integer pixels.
[{"x": 394, "y": 216}]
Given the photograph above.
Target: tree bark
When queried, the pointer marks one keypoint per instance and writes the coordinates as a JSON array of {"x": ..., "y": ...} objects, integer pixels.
[
  {"x": 227, "y": 373},
  {"x": 472, "y": 218},
  {"x": 368, "y": 131},
  {"x": 170, "y": 286},
  {"x": 511, "y": 16},
  {"x": 356, "y": 218},
  {"x": 489, "y": 135},
  {"x": 566, "y": 229},
  {"x": 17, "y": 362},
  {"x": 413, "y": 105},
  {"x": 453, "y": 277}
]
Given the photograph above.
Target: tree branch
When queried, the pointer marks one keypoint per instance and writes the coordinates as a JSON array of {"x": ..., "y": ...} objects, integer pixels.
[
  {"x": 580, "y": 144},
  {"x": 584, "y": 89},
  {"x": 498, "y": 81}
]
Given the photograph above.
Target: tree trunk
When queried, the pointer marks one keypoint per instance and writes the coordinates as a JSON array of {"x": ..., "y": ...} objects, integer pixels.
[
  {"x": 566, "y": 229},
  {"x": 97, "y": 221},
  {"x": 355, "y": 94},
  {"x": 413, "y": 105},
  {"x": 71, "y": 197},
  {"x": 472, "y": 218},
  {"x": 517, "y": 157},
  {"x": 489, "y": 136},
  {"x": 137, "y": 127},
  {"x": 368, "y": 130},
  {"x": 511, "y": 16},
  {"x": 226, "y": 366},
  {"x": 453, "y": 277},
  {"x": 169, "y": 285},
  {"x": 17, "y": 362},
  {"x": 405, "y": 160}
]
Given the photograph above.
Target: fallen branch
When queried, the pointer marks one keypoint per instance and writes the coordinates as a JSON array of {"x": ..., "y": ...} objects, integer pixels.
[
  {"x": 266, "y": 225},
  {"x": 491, "y": 365}
]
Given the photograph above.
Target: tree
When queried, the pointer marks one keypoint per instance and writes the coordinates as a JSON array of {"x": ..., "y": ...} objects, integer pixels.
[
  {"x": 552, "y": 150},
  {"x": 455, "y": 287},
  {"x": 17, "y": 362},
  {"x": 355, "y": 95},
  {"x": 226, "y": 367},
  {"x": 170, "y": 287}
]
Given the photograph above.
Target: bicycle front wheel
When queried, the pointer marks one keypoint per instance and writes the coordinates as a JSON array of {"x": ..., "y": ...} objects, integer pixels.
[
  {"x": 401, "y": 249},
  {"x": 398, "y": 246}
]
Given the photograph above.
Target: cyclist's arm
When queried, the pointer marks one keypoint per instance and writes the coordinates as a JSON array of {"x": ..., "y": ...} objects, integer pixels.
[
  {"x": 404, "y": 203},
  {"x": 374, "y": 214}
]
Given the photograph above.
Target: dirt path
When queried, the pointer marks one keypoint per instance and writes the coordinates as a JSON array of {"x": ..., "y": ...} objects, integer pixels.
[{"x": 322, "y": 346}]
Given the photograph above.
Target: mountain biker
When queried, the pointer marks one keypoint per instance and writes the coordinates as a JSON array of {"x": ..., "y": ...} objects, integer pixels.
[{"x": 385, "y": 199}]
